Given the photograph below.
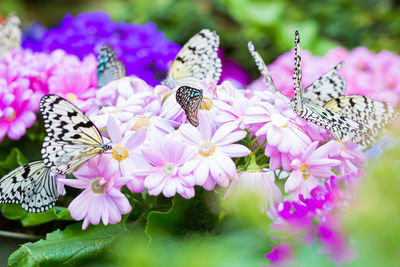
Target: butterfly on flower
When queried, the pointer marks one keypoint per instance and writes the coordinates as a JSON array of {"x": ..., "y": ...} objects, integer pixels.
[
  {"x": 72, "y": 139},
  {"x": 190, "y": 100},
  {"x": 109, "y": 68},
  {"x": 32, "y": 185},
  {"x": 342, "y": 127},
  {"x": 10, "y": 33},
  {"x": 196, "y": 61}
]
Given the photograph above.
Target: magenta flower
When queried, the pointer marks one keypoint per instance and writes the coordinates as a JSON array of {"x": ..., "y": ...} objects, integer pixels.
[
  {"x": 280, "y": 255},
  {"x": 163, "y": 169},
  {"x": 212, "y": 150},
  {"x": 101, "y": 199},
  {"x": 17, "y": 108},
  {"x": 313, "y": 164}
]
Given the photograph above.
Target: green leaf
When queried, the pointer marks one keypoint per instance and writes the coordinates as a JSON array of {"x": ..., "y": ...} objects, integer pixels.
[
  {"x": 13, "y": 211},
  {"x": 14, "y": 159},
  {"x": 70, "y": 246},
  {"x": 198, "y": 214},
  {"x": 54, "y": 214}
]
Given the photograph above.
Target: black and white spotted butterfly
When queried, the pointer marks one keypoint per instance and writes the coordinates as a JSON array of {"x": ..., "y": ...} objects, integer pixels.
[
  {"x": 10, "y": 33},
  {"x": 342, "y": 127},
  {"x": 190, "y": 100},
  {"x": 374, "y": 115},
  {"x": 328, "y": 86},
  {"x": 72, "y": 139},
  {"x": 31, "y": 185},
  {"x": 109, "y": 68},
  {"x": 196, "y": 61}
]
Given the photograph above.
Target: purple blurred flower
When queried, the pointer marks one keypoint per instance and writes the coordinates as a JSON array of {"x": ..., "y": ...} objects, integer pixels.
[
  {"x": 280, "y": 255},
  {"x": 142, "y": 48},
  {"x": 101, "y": 199}
]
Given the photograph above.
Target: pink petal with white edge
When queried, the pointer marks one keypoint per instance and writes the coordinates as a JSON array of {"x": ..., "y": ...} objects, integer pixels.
[
  {"x": 79, "y": 206},
  {"x": 77, "y": 183},
  {"x": 16, "y": 130},
  {"x": 223, "y": 131},
  {"x": 136, "y": 139},
  {"x": 226, "y": 164},
  {"x": 153, "y": 156},
  {"x": 94, "y": 210},
  {"x": 190, "y": 134},
  {"x": 201, "y": 173},
  {"x": 311, "y": 148},
  {"x": 154, "y": 180},
  {"x": 234, "y": 150},
  {"x": 293, "y": 181},
  {"x": 170, "y": 188},
  {"x": 104, "y": 212},
  {"x": 189, "y": 166},
  {"x": 113, "y": 130},
  {"x": 230, "y": 138}
]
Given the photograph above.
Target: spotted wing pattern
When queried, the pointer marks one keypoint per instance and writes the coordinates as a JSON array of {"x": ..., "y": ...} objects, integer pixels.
[
  {"x": 342, "y": 127},
  {"x": 71, "y": 138},
  {"x": 109, "y": 68},
  {"x": 190, "y": 100},
  {"x": 262, "y": 67},
  {"x": 197, "y": 61},
  {"x": 10, "y": 33},
  {"x": 327, "y": 87},
  {"x": 31, "y": 185},
  {"x": 374, "y": 115}
]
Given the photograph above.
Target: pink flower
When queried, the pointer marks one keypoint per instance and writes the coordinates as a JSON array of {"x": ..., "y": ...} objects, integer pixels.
[
  {"x": 17, "y": 108},
  {"x": 313, "y": 164},
  {"x": 212, "y": 150},
  {"x": 285, "y": 139},
  {"x": 163, "y": 169},
  {"x": 280, "y": 255},
  {"x": 351, "y": 157},
  {"x": 126, "y": 152},
  {"x": 101, "y": 199},
  {"x": 74, "y": 79}
]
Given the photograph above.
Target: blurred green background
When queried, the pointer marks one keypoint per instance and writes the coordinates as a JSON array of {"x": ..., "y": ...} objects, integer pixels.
[{"x": 269, "y": 24}]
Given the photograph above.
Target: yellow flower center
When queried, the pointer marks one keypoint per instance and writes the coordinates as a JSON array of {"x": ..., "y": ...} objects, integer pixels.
[
  {"x": 71, "y": 97},
  {"x": 305, "y": 170},
  {"x": 141, "y": 122},
  {"x": 119, "y": 153},
  {"x": 11, "y": 117},
  {"x": 206, "y": 103},
  {"x": 207, "y": 149},
  {"x": 343, "y": 146},
  {"x": 169, "y": 169},
  {"x": 96, "y": 186}
]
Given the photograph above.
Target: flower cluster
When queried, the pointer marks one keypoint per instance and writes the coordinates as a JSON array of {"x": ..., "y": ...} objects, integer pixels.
[{"x": 26, "y": 76}]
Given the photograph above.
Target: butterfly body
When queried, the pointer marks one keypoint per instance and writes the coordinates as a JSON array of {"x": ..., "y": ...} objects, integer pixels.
[
  {"x": 109, "y": 68},
  {"x": 32, "y": 185},
  {"x": 72, "y": 139},
  {"x": 190, "y": 100}
]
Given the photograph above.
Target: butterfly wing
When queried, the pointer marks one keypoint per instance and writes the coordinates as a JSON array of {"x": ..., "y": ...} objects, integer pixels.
[
  {"x": 109, "y": 68},
  {"x": 375, "y": 115},
  {"x": 297, "y": 101},
  {"x": 31, "y": 185},
  {"x": 71, "y": 139},
  {"x": 327, "y": 87},
  {"x": 262, "y": 67},
  {"x": 197, "y": 61},
  {"x": 190, "y": 99},
  {"x": 10, "y": 33}
]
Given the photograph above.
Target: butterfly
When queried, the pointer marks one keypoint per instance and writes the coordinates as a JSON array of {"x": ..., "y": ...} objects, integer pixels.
[
  {"x": 328, "y": 86},
  {"x": 109, "y": 68},
  {"x": 197, "y": 61},
  {"x": 31, "y": 185},
  {"x": 190, "y": 100},
  {"x": 262, "y": 67},
  {"x": 10, "y": 33},
  {"x": 71, "y": 138},
  {"x": 342, "y": 127}
]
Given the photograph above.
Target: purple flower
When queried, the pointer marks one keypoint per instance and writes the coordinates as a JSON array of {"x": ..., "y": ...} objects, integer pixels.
[
  {"x": 314, "y": 163},
  {"x": 212, "y": 150},
  {"x": 101, "y": 199},
  {"x": 163, "y": 169},
  {"x": 142, "y": 48}
]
